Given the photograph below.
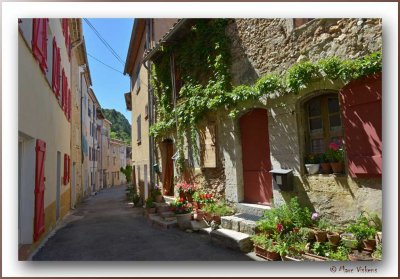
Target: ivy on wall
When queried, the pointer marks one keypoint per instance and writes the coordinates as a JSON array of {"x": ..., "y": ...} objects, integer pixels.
[{"x": 203, "y": 58}]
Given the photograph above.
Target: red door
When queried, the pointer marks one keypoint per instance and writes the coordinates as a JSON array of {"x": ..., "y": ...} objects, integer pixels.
[
  {"x": 39, "y": 225},
  {"x": 256, "y": 157}
]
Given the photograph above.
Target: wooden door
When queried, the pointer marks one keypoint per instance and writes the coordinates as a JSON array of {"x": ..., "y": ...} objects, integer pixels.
[
  {"x": 256, "y": 157},
  {"x": 167, "y": 167}
]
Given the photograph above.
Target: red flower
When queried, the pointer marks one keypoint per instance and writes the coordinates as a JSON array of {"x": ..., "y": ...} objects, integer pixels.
[
  {"x": 279, "y": 227},
  {"x": 334, "y": 146}
]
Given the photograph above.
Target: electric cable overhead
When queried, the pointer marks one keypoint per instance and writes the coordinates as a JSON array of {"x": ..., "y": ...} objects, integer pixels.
[
  {"x": 104, "y": 63},
  {"x": 113, "y": 52}
]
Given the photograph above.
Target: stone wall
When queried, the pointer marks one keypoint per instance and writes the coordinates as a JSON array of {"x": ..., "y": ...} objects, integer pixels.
[
  {"x": 261, "y": 46},
  {"x": 273, "y": 45}
]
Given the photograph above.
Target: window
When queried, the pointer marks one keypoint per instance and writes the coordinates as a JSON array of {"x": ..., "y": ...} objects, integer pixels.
[
  {"x": 323, "y": 123},
  {"x": 56, "y": 68},
  {"x": 137, "y": 84},
  {"x": 114, "y": 161},
  {"x": 39, "y": 42},
  {"x": 139, "y": 129},
  {"x": 64, "y": 91}
]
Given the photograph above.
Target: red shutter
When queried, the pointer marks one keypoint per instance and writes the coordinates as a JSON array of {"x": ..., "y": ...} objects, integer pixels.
[
  {"x": 39, "y": 41},
  {"x": 54, "y": 73},
  {"x": 64, "y": 86},
  {"x": 69, "y": 46},
  {"x": 65, "y": 177},
  {"x": 69, "y": 169},
  {"x": 69, "y": 104},
  {"x": 361, "y": 102},
  {"x": 39, "y": 224}
]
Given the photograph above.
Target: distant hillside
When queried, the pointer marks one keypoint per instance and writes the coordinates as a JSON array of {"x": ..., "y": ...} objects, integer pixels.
[{"x": 120, "y": 128}]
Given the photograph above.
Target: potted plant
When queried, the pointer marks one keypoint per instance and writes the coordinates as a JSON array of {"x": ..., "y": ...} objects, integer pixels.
[
  {"x": 333, "y": 235},
  {"x": 365, "y": 229},
  {"x": 149, "y": 205},
  {"x": 216, "y": 210},
  {"x": 312, "y": 163},
  {"x": 335, "y": 155},
  {"x": 325, "y": 164},
  {"x": 186, "y": 190},
  {"x": 156, "y": 194},
  {"x": 183, "y": 211},
  {"x": 349, "y": 240},
  {"x": 320, "y": 229}
]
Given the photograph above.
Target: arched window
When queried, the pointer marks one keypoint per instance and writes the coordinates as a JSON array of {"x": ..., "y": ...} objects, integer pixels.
[{"x": 323, "y": 123}]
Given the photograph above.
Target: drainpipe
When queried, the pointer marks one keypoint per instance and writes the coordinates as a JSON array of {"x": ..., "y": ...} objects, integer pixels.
[{"x": 150, "y": 108}]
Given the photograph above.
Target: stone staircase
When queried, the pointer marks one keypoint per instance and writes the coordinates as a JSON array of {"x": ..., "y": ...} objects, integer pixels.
[{"x": 235, "y": 231}]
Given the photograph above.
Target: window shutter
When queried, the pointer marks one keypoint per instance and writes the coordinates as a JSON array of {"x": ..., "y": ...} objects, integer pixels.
[
  {"x": 69, "y": 168},
  {"x": 69, "y": 104},
  {"x": 361, "y": 102},
  {"x": 54, "y": 73},
  {"x": 65, "y": 178},
  {"x": 39, "y": 41},
  {"x": 39, "y": 221}
]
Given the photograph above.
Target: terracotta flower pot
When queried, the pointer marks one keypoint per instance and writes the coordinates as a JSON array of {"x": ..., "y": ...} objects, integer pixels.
[
  {"x": 326, "y": 168},
  {"x": 199, "y": 215},
  {"x": 183, "y": 219},
  {"x": 369, "y": 244},
  {"x": 273, "y": 256},
  {"x": 217, "y": 219},
  {"x": 337, "y": 167},
  {"x": 312, "y": 168},
  {"x": 159, "y": 198},
  {"x": 320, "y": 236},
  {"x": 208, "y": 216},
  {"x": 333, "y": 238}
]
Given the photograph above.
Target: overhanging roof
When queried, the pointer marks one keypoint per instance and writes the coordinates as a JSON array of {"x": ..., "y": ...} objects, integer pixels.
[
  {"x": 175, "y": 33},
  {"x": 134, "y": 44}
]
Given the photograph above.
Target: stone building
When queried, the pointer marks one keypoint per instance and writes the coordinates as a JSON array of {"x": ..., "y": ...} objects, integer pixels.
[
  {"x": 145, "y": 34},
  {"x": 117, "y": 160},
  {"x": 277, "y": 130}
]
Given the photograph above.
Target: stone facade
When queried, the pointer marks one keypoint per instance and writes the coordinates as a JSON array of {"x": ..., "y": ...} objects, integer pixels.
[{"x": 261, "y": 46}]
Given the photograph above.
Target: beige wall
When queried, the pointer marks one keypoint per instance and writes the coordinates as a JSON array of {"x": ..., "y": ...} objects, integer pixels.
[
  {"x": 76, "y": 143},
  {"x": 40, "y": 116},
  {"x": 114, "y": 168}
]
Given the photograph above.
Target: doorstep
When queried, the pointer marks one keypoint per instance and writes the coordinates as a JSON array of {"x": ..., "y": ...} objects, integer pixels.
[
  {"x": 252, "y": 209},
  {"x": 232, "y": 239},
  {"x": 240, "y": 222}
]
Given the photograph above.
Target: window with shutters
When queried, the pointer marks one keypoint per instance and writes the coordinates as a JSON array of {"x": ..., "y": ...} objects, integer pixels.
[
  {"x": 137, "y": 84},
  {"x": 56, "y": 68},
  {"x": 323, "y": 123},
  {"x": 139, "y": 129},
  {"x": 63, "y": 90},
  {"x": 39, "y": 42}
]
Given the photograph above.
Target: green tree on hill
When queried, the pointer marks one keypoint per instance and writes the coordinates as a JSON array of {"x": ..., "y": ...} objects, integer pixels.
[{"x": 120, "y": 128}]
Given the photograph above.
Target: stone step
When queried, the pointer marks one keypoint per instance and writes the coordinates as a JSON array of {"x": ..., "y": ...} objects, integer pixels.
[
  {"x": 162, "y": 207},
  {"x": 240, "y": 222},
  {"x": 198, "y": 225},
  {"x": 252, "y": 209},
  {"x": 167, "y": 214},
  {"x": 169, "y": 199},
  {"x": 232, "y": 239},
  {"x": 159, "y": 222}
]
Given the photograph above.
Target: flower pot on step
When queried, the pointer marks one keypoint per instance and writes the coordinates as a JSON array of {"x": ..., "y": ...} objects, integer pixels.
[
  {"x": 159, "y": 198},
  {"x": 369, "y": 244},
  {"x": 333, "y": 238},
  {"x": 326, "y": 168},
  {"x": 320, "y": 236},
  {"x": 312, "y": 168},
  {"x": 183, "y": 220},
  {"x": 337, "y": 167}
]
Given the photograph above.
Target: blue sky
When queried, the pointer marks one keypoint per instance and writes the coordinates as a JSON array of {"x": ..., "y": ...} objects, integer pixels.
[{"x": 109, "y": 85}]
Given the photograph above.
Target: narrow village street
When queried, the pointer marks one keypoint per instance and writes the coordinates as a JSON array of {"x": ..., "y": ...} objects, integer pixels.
[{"x": 106, "y": 228}]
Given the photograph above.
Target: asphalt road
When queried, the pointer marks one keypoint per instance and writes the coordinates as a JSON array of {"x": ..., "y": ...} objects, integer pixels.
[{"x": 106, "y": 228}]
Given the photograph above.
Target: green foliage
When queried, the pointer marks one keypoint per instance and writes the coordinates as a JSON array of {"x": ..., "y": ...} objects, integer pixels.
[
  {"x": 377, "y": 254},
  {"x": 127, "y": 171},
  {"x": 220, "y": 208},
  {"x": 365, "y": 227},
  {"x": 203, "y": 58},
  {"x": 288, "y": 216},
  {"x": 149, "y": 202},
  {"x": 120, "y": 128},
  {"x": 132, "y": 195}
]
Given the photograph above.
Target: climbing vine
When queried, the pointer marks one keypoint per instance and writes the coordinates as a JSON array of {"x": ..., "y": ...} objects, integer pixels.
[{"x": 204, "y": 62}]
